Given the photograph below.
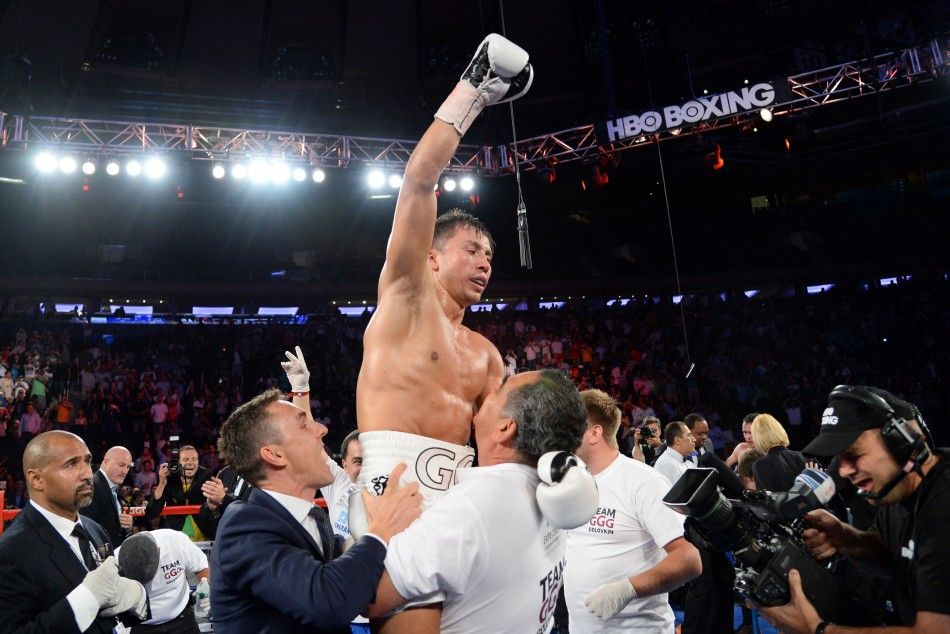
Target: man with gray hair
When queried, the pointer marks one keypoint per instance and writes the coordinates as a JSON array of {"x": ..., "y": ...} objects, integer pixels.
[{"x": 491, "y": 549}]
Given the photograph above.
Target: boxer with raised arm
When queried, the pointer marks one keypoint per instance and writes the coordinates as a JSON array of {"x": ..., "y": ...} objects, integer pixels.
[{"x": 424, "y": 374}]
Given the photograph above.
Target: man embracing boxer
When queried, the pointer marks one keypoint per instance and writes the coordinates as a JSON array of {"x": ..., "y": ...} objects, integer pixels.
[{"x": 424, "y": 374}]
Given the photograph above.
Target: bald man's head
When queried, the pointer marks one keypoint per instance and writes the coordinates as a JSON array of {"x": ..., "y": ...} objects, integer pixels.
[
  {"x": 58, "y": 469},
  {"x": 116, "y": 464},
  {"x": 36, "y": 455}
]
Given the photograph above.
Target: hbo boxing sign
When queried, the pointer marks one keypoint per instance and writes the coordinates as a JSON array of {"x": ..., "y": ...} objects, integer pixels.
[{"x": 727, "y": 103}]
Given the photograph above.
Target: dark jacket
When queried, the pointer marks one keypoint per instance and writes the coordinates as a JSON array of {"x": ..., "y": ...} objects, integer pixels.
[
  {"x": 776, "y": 470},
  {"x": 37, "y": 570},
  {"x": 175, "y": 495},
  {"x": 258, "y": 537},
  {"x": 103, "y": 510}
]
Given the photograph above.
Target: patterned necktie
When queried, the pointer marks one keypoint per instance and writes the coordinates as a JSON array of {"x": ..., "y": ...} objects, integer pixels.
[
  {"x": 115, "y": 499},
  {"x": 328, "y": 541},
  {"x": 85, "y": 547}
]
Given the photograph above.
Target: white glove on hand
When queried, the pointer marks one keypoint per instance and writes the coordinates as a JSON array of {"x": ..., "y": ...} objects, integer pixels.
[
  {"x": 130, "y": 596},
  {"x": 607, "y": 600},
  {"x": 297, "y": 373},
  {"x": 103, "y": 582}
]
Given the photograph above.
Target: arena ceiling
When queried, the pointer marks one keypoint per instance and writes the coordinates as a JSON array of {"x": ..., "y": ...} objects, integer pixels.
[{"x": 863, "y": 185}]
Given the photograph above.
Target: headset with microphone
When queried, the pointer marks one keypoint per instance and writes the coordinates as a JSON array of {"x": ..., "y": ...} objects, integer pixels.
[{"x": 909, "y": 447}]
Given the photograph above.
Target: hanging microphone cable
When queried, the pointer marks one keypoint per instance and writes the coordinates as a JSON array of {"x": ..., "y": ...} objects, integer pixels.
[{"x": 524, "y": 242}]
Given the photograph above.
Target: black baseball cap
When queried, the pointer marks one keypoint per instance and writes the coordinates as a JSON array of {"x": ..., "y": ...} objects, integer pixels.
[{"x": 850, "y": 412}]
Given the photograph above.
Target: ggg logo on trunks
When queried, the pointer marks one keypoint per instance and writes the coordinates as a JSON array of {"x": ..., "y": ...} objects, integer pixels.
[{"x": 435, "y": 467}]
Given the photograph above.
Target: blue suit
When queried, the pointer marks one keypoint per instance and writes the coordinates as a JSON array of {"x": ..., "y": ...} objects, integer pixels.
[{"x": 268, "y": 575}]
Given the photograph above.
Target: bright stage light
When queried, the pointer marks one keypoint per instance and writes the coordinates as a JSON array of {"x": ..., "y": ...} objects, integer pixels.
[
  {"x": 766, "y": 114},
  {"x": 45, "y": 162},
  {"x": 375, "y": 179},
  {"x": 318, "y": 175},
  {"x": 299, "y": 174},
  {"x": 259, "y": 171},
  {"x": 467, "y": 183},
  {"x": 280, "y": 172},
  {"x": 133, "y": 168},
  {"x": 88, "y": 168},
  {"x": 155, "y": 168},
  {"x": 67, "y": 165},
  {"x": 218, "y": 171},
  {"x": 449, "y": 184},
  {"x": 395, "y": 181},
  {"x": 112, "y": 168},
  {"x": 239, "y": 171}
]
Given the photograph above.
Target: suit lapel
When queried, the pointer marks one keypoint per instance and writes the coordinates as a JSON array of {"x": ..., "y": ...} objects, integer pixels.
[
  {"x": 105, "y": 486},
  {"x": 58, "y": 551},
  {"x": 261, "y": 498}
]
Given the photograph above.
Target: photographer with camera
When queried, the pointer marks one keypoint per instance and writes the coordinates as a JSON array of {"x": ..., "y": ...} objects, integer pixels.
[
  {"x": 883, "y": 447},
  {"x": 647, "y": 438},
  {"x": 182, "y": 482}
]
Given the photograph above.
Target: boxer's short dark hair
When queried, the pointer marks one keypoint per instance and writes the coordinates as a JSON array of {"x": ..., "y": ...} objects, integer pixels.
[{"x": 448, "y": 223}]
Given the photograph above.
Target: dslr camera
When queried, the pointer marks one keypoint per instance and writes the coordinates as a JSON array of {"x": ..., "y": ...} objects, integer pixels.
[
  {"x": 174, "y": 463},
  {"x": 764, "y": 533},
  {"x": 646, "y": 432}
]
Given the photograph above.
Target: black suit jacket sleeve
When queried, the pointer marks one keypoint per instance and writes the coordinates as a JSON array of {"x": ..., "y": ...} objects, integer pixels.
[{"x": 102, "y": 509}]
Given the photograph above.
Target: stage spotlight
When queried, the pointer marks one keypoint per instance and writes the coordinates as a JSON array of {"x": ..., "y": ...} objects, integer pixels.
[
  {"x": 467, "y": 183},
  {"x": 395, "y": 181},
  {"x": 45, "y": 162},
  {"x": 112, "y": 168},
  {"x": 218, "y": 171},
  {"x": 239, "y": 171},
  {"x": 88, "y": 168},
  {"x": 318, "y": 175},
  {"x": 155, "y": 168},
  {"x": 375, "y": 179},
  {"x": 299, "y": 174},
  {"x": 67, "y": 165},
  {"x": 133, "y": 168},
  {"x": 449, "y": 184},
  {"x": 766, "y": 114},
  {"x": 259, "y": 171},
  {"x": 280, "y": 172}
]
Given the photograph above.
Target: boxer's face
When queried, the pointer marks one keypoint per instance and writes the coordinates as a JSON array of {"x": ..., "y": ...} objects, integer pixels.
[
  {"x": 463, "y": 265},
  {"x": 747, "y": 432}
]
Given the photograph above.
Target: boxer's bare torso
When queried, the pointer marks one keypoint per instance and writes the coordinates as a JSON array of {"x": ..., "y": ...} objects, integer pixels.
[{"x": 424, "y": 372}]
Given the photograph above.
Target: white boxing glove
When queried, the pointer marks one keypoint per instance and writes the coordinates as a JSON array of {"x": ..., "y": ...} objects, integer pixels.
[
  {"x": 297, "y": 373},
  {"x": 130, "y": 596},
  {"x": 567, "y": 495},
  {"x": 499, "y": 72},
  {"x": 608, "y": 599}
]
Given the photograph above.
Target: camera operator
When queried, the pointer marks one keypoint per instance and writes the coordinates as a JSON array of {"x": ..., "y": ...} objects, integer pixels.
[
  {"x": 182, "y": 482},
  {"x": 646, "y": 438},
  {"x": 880, "y": 445}
]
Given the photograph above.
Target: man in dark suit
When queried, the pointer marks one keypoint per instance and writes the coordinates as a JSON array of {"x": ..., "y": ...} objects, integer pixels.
[
  {"x": 55, "y": 572},
  {"x": 277, "y": 447},
  {"x": 105, "y": 507}
]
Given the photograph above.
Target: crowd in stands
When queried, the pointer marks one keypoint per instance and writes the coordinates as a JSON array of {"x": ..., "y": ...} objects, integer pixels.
[{"x": 135, "y": 384}]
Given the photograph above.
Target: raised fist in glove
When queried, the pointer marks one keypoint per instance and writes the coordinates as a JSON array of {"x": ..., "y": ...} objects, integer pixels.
[
  {"x": 567, "y": 494},
  {"x": 499, "y": 72},
  {"x": 607, "y": 600},
  {"x": 297, "y": 373}
]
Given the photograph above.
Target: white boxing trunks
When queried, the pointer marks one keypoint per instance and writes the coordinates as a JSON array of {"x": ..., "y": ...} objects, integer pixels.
[{"x": 430, "y": 462}]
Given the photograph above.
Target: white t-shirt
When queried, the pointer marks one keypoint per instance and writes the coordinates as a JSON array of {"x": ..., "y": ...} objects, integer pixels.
[
  {"x": 486, "y": 546},
  {"x": 624, "y": 538},
  {"x": 168, "y": 591},
  {"x": 337, "y": 496}
]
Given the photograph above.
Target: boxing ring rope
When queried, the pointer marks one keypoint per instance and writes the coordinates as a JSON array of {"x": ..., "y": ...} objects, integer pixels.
[{"x": 191, "y": 509}]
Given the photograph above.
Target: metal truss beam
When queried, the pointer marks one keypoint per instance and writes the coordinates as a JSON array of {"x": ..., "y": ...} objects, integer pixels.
[{"x": 811, "y": 90}]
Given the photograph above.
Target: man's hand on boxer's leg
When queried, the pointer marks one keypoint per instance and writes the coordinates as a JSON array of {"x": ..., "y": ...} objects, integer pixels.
[
  {"x": 394, "y": 510},
  {"x": 499, "y": 72}
]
